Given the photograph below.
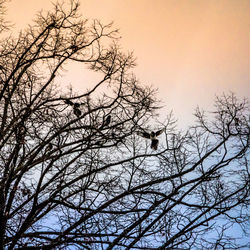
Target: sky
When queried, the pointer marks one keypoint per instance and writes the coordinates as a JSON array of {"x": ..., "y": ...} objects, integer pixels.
[{"x": 191, "y": 50}]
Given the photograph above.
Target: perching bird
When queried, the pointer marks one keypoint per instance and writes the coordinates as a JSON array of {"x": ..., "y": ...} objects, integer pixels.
[
  {"x": 107, "y": 121},
  {"x": 77, "y": 112},
  {"x": 67, "y": 101},
  {"x": 152, "y": 136},
  {"x": 76, "y": 105},
  {"x": 236, "y": 121}
]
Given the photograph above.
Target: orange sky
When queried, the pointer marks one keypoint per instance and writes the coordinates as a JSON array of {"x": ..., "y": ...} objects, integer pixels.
[{"x": 189, "y": 49}]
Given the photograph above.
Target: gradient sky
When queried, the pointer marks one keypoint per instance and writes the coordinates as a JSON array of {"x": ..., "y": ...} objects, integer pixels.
[{"x": 190, "y": 50}]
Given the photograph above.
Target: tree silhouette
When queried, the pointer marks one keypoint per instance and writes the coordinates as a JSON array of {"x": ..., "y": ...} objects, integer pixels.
[
  {"x": 75, "y": 174},
  {"x": 3, "y": 23}
]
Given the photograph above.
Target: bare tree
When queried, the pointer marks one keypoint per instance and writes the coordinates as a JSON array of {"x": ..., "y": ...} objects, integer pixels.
[{"x": 75, "y": 170}]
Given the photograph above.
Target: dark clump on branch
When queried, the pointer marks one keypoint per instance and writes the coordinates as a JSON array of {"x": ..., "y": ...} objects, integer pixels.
[
  {"x": 74, "y": 48},
  {"x": 69, "y": 102},
  {"x": 77, "y": 112},
  {"x": 76, "y": 106},
  {"x": 106, "y": 121}
]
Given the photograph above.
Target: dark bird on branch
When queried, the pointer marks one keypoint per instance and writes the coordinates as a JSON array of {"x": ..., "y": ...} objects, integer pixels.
[
  {"x": 107, "y": 121},
  {"x": 236, "y": 120},
  {"x": 67, "y": 101},
  {"x": 77, "y": 112},
  {"x": 77, "y": 105},
  {"x": 152, "y": 136}
]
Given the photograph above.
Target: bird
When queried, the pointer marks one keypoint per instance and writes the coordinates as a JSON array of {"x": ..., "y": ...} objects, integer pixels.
[
  {"x": 152, "y": 136},
  {"x": 236, "y": 121},
  {"x": 67, "y": 101},
  {"x": 77, "y": 112},
  {"x": 77, "y": 105},
  {"x": 106, "y": 121}
]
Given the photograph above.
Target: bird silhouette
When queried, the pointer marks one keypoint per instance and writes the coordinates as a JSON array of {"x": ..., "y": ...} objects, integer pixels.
[
  {"x": 106, "y": 121},
  {"x": 67, "y": 101},
  {"x": 77, "y": 112},
  {"x": 236, "y": 121},
  {"x": 76, "y": 106},
  {"x": 152, "y": 136}
]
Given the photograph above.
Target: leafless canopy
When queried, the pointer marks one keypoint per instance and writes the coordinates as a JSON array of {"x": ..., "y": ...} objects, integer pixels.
[
  {"x": 75, "y": 174},
  {"x": 3, "y": 22}
]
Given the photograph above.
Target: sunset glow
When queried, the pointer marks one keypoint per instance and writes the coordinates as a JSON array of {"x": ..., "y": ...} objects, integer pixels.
[{"x": 189, "y": 50}]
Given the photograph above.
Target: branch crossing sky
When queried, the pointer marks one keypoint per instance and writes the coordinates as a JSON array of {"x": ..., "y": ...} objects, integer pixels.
[{"x": 191, "y": 50}]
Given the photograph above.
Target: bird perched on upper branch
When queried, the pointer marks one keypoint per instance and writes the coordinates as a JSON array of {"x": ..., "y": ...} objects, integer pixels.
[
  {"x": 69, "y": 102},
  {"x": 75, "y": 105},
  {"x": 106, "y": 121},
  {"x": 77, "y": 112},
  {"x": 152, "y": 136},
  {"x": 236, "y": 121}
]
